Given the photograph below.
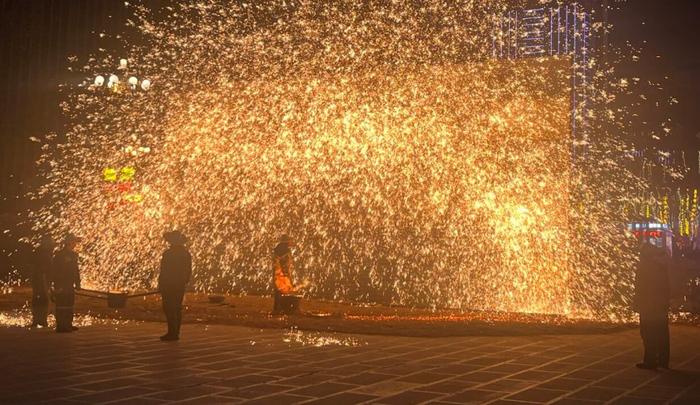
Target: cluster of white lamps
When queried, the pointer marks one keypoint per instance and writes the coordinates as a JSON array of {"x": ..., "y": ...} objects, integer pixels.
[{"x": 113, "y": 79}]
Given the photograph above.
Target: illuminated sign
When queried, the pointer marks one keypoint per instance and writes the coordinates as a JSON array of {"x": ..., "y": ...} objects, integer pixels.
[
  {"x": 648, "y": 234},
  {"x": 109, "y": 174},
  {"x": 120, "y": 181},
  {"x": 647, "y": 225}
]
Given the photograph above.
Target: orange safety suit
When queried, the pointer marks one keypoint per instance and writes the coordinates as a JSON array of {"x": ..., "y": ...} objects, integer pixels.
[{"x": 283, "y": 269}]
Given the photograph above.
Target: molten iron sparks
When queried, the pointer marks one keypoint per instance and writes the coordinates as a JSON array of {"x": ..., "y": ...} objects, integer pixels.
[
  {"x": 409, "y": 167},
  {"x": 316, "y": 339},
  {"x": 22, "y": 318}
]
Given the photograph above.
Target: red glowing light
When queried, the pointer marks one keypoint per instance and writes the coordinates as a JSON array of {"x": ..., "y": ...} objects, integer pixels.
[{"x": 648, "y": 234}]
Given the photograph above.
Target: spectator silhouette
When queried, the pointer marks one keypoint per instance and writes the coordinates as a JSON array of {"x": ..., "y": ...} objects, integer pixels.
[
  {"x": 175, "y": 273},
  {"x": 65, "y": 279},
  {"x": 41, "y": 268},
  {"x": 651, "y": 300}
]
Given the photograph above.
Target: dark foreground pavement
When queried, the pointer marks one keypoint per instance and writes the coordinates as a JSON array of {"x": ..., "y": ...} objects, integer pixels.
[{"x": 228, "y": 364}]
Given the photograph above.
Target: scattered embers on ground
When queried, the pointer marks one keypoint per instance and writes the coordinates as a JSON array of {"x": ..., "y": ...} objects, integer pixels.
[{"x": 254, "y": 311}]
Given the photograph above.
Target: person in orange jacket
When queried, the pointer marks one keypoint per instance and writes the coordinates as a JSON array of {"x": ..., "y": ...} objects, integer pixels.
[{"x": 282, "y": 270}]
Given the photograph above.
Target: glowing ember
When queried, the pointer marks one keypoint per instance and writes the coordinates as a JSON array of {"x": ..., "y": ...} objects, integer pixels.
[
  {"x": 488, "y": 317},
  {"x": 22, "y": 318},
  {"x": 319, "y": 340},
  {"x": 409, "y": 167}
]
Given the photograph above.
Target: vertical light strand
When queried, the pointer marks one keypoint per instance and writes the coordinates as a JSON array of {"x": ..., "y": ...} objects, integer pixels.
[{"x": 694, "y": 212}]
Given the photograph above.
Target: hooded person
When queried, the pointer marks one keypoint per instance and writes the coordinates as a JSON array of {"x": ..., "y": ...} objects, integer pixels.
[
  {"x": 41, "y": 270},
  {"x": 65, "y": 279},
  {"x": 651, "y": 301},
  {"x": 175, "y": 273},
  {"x": 282, "y": 270}
]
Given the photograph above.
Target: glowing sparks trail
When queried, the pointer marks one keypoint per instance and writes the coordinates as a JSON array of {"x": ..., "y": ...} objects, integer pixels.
[
  {"x": 22, "y": 317},
  {"x": 409, "y": 167},
  {"x": 296, "y": 336}
]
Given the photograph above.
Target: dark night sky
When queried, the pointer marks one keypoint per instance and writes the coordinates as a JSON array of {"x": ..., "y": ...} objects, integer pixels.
[
  {"x": 38, "y": 35},
  {"x": 671, "y": 31}
]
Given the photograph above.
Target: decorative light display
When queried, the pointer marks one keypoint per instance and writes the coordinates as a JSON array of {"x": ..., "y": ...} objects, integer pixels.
[
  {"x": 114, "y": 83},
  {"x": 564, "y": 29},
  {"x": 677, "y": 207},
  {"x": 410, "y": 165},
  {"x": 120, "y": 183},
  {"x": 665, "y": 218},
  {"x": 693, "y": 215},
  {"x": 687, "y": 212}
]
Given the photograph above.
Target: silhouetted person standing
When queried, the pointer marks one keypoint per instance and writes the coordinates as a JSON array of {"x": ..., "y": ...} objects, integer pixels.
[
  {"x": 175, "y": 273},
  {"x": 65, "y": 277},
  {"x": 282, "y": 271},
  {"x": 651, "y": 301},
  {"x": 43, "y": 256}
]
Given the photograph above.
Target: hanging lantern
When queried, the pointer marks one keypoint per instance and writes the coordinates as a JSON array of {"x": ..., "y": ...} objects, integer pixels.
[
  {"x": 122, "y": 63},
  {"x": 99, "y": 81},
  {"x": 146, "y": 84}
]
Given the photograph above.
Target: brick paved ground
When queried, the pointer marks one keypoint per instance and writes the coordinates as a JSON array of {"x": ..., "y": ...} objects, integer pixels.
[{"x": 228, "y": 364}]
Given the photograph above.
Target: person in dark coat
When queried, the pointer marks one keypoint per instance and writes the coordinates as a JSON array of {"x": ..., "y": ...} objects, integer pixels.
[
  {"x": 651, "y": 300},
  {"x": 175, "y": 273},
  {"x": 41, "y": 269},
  {"x": 65, "y": 278}
]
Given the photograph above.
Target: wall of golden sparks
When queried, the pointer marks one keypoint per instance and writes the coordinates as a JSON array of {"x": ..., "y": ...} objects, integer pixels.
[{"x": 409, "y": 167}]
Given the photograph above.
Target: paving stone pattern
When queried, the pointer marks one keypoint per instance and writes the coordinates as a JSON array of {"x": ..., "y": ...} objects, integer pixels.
[{"x": 127, "y": 364}]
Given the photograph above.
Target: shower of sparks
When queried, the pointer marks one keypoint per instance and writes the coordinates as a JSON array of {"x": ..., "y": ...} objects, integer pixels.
[
  {"x": 409, "y": 166},
  {"x": 22, "y": 318},
  {"x": 319, "y": 339},
  {"x": 490, "y": 317}
]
